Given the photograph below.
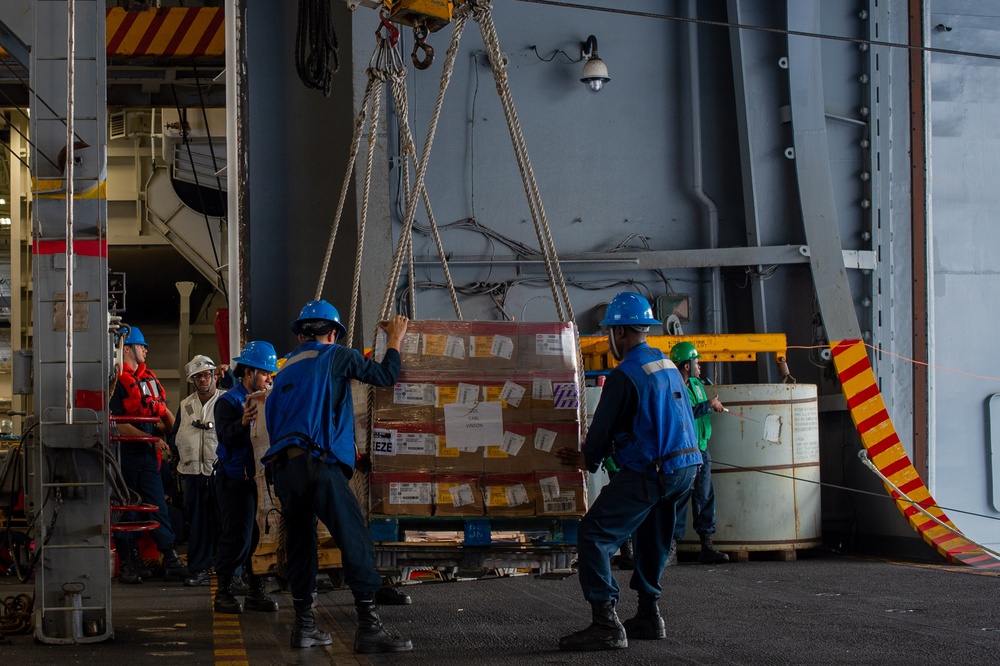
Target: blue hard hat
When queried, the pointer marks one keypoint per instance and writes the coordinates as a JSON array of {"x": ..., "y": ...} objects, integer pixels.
[
  {"x": 259, "y": 354},
  {"x": 319, "y": 311},
  {"x": 629, "y": 309},
  {"x": 135, "y": 337}
]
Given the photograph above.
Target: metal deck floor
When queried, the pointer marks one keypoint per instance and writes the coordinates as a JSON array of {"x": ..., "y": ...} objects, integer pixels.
[{"x": 823, "y": 609}]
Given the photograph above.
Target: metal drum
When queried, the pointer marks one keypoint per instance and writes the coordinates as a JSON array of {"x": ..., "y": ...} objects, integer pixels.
[{"x": 765, "y": 469}]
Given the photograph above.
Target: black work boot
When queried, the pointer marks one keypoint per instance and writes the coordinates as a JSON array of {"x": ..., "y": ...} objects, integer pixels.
[
  {"x": 225, "y": 602},
  {"x": 626, "y": 559},
  {"x": 128, "y": 565},
  {"x": 304, "y": 632},
  {"x": 647, "y": 623},
  {"x": 198, "y": 578},
  {"x": 392, "y": 596},
  {"x": 371, "y": 635},
  {"x": 257, "y": 599},
  {"x": 672, "y": 555},
  {"x": 173, "y": 568},
  {"x": 709, "y": 553},
  {"x": 604, "y": 633}
]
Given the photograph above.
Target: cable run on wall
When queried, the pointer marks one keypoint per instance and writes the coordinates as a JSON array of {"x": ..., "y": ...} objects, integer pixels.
[{"x": 761, "y": 28}]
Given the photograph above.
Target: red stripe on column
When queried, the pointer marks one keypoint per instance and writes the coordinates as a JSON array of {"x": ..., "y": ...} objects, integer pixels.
[
  {"x": 873, "y": 421},
  {"x": 883, "y": 445},
  {"x": 150, "y": 35},
  {"x": 121, "y": 32},
  {"x": 90, "y": 400},
  {"x": 86, "y": 248},
  {"x": 181, "y": 31},
  {"x": 862, "y": 396},
  {"x": 843, "y": 346},
  {"x": 213, "y": 27},
  {"x": 855, "y": 370},
  {"x": 895, "y": 466}
]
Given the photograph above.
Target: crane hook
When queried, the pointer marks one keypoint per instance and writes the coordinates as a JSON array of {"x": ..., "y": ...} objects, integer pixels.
[{"x": 420, "y": 44}]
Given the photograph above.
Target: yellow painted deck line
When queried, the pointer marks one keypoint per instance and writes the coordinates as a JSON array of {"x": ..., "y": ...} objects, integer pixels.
[{"x": 228, "y": 646}]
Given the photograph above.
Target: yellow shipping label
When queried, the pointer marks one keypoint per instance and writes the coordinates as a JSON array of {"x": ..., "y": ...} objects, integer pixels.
[
  {"x": 493, "y": 395},
  {"x": 447, "y": 395},
  {"x": 495, "y": 452},
  {"x": 446, "y": 451},
  {"x": 434, "y": 345},
  {"x": 481, "y": 346},
  {"x": 496, "y": 496}
]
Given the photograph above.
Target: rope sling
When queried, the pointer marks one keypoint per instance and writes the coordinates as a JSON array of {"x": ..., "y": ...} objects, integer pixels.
[{"x": 386, "y": 66}]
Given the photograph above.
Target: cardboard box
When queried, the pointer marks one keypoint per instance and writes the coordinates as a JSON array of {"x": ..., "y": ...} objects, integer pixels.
[
  {"x": 458, "y": 495},
  {"x": 404, "y": 447},
  {"x": 512, "y": 392},
  {"x": 515, "y": 454},
  {"x": 492, "y": 346},
  {"x": 561, "y": 493},
  {"x": 547, "y": 438},
  {"x": 412, "y": 399},
  {"x": 452, "y": 459},
  {"x": 510, "y": 494},
  {"x": 401, "y": 493},
  {"x": 546, "y": 346},
  {"x": 555, "y": 397},
  {"x": 430, "y": 346}
]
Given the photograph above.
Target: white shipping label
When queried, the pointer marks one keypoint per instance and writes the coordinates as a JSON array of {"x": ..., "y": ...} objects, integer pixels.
[
  {"x": 544, "y": 439},
  {"x": 383, "y": 442},
  {"x": 469, "y": 427},
  {"x": 772, "y": 428},
  {"x": 502, "y": 346},
  {"x": 512, "y": 393},
  {"x": 462, "y": 495},
  {"x": 415, "y": 394},
  {"x": 411, "y": 343},
  {"x": 512, "y": 443},
  {"x": 516, "y": 495},
  {"x": 416, "y": 444},
  {"x": 403, "y": 492},
  {"x": 550, "y": 488},
  {"x": 564, "y": 503},
  {"x": 468, "y": 394},
  {"x": 455, "y": 347},
  {"x": 549, "y": 344},
  {"x": 541, "y": 389}
]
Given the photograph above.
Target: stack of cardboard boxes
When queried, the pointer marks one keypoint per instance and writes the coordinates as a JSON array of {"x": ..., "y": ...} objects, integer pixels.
[{"x": 472, "y": 426}]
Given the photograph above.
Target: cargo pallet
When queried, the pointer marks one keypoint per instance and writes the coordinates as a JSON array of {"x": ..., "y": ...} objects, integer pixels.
[{"x": 468, "y": 546}]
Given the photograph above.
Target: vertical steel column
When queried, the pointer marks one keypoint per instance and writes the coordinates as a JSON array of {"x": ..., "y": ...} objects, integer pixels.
[
  {"x": 67, "y": 448},
  {"x": 755, "y": 67},
  {"x": 237, "y": 161},
  {"x": 812, "y": 167}
]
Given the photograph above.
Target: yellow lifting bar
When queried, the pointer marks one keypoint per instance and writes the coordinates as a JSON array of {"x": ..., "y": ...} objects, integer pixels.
[
  {"x": 722, "y": 347},
  {"x": 431, "y": 14}
]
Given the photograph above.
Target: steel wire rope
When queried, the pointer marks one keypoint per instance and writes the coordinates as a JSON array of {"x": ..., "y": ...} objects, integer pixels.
[
  {"x": 761, "y": 28},
  {"x": 23, "y": 136},
  {"x": 182, "y": 121},
  {"x": 903, "y": 497},
  {"x": 907, "y": 359},
  {"x": 215, "y": 170}
]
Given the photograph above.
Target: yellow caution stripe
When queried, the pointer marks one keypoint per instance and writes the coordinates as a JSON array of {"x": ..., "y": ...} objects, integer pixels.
[
  {"x": 227, "y": 637},
  {"x": 864, "y": 400}
]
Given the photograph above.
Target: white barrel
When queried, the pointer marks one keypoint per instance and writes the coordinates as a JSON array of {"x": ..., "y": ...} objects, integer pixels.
[{"x": 765, "y": 468}]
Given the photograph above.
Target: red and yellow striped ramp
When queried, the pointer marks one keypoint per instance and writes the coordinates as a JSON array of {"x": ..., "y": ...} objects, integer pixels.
[{"x": 887, "y": 454}]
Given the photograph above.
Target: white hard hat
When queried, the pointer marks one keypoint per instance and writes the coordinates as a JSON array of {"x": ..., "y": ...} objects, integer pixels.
[{"x": 198, "y": 364}]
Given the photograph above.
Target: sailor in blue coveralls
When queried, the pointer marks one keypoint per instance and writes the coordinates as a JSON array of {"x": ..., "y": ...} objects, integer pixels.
[
  {"x": 310, "y": 422},
  {"x": 644, "y": 420}
]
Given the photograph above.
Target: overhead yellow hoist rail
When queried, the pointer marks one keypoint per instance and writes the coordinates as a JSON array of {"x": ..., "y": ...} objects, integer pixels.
[{"x": 721, "y": 347}]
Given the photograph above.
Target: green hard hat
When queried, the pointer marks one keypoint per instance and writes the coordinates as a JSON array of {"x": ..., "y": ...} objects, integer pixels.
[{"x": 683, "y": 352}]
